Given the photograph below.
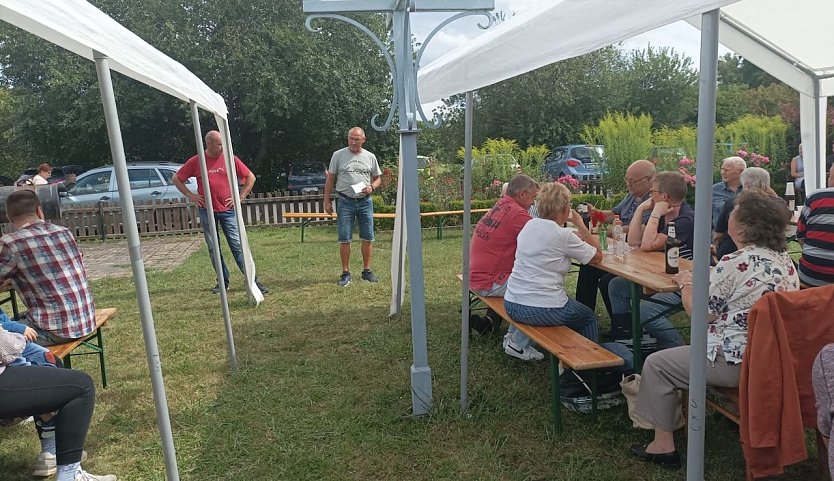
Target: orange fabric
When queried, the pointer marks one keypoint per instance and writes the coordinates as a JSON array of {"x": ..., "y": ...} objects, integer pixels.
[{"x": 785, "y": 330}]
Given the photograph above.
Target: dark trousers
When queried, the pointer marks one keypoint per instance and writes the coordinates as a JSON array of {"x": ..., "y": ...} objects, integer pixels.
[
  {"x": 590, "y": 279},
  {"x": 32, "y": 390}
]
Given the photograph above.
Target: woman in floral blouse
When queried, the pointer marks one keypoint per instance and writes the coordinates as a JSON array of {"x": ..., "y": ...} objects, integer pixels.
[{"x": 760, "y": 265}]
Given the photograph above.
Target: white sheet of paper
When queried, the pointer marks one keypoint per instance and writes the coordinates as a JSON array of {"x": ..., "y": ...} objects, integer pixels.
[{"x": 357, "y": 188}]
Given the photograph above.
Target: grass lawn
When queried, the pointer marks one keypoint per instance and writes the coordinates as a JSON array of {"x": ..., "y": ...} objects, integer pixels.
[{"x": 323, "y": 390}]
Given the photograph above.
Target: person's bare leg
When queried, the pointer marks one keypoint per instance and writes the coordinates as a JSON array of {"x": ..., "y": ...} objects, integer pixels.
[
  {"x": 344, "y": 253},
  {"x": 664, "y": 442},
  {"x": 366, "y": 254}
]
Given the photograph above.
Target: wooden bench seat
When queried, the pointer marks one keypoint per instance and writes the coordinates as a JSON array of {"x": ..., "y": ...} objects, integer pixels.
[
  {"x": 93, "y": 343},
  {"x": 564, "y": 345}
]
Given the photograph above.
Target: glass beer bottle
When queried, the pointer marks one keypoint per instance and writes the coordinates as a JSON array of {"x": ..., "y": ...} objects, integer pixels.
[{"x": 672, "y": 251}]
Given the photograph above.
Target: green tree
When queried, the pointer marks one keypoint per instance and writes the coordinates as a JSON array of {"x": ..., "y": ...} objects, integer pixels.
[
  {"x": 663, "y": 84},
  {"x": 549, "y": 105},
  {"x": 291, "y": 94}
]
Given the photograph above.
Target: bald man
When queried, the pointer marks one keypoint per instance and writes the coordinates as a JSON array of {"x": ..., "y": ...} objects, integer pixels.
[
  {"x": 639, "y": 176},
  {"x": 353, "y": 173},
  {"x": 221, "y": 200}
]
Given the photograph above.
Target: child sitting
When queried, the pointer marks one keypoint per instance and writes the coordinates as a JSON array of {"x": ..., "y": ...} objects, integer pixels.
[{"x": 33, "y": 354}]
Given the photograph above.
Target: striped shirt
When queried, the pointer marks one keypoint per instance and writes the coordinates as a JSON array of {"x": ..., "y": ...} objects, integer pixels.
[
  {"x": 45, "y": 267},
  {"x": 816, "y": 229}
]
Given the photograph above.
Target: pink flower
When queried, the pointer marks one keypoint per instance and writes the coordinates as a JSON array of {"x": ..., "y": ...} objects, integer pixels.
[
  {"x": 569, "y": 182},
  {"x": 742, "y": 153},
  {"x": 685, "y": 161}
]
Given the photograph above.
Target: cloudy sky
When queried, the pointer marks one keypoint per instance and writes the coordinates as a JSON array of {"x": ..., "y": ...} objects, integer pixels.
[{"x": 681, "y": 36}]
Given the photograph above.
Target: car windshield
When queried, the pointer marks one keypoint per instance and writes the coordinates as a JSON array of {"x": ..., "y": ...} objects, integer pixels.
[
  {"x": 307, "y": 169},
  {"x": 586, "y": 154}
]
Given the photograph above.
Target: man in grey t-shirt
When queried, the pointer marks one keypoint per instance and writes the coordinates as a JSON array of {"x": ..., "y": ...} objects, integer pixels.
[{"x": 356, "y": 173}]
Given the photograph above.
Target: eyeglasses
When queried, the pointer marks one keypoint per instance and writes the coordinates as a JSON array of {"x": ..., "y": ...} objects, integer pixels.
[
  {"x": 655, "y": 191},
  {"x": 632, "y": 182}
]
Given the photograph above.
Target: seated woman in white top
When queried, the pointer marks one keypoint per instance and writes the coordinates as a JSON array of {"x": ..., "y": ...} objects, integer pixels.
[{"x": 536, "y": 288}]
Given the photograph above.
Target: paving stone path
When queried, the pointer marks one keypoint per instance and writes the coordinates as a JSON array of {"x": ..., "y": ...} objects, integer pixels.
[{"x": 111, "y": 259}]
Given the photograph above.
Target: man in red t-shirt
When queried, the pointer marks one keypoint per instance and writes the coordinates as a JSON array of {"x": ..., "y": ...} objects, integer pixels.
[
  {"x": 492, "y": 252},
  {"x": 221, "y": 199}
]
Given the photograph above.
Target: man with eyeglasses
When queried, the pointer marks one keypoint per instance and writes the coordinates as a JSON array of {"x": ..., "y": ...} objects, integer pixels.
[
  {"x": 638, "y": 178},
  {"x": 729, "y": 186}
]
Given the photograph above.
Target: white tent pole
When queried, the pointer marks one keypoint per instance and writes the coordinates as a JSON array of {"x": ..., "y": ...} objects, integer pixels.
[
  {"x": 703, "y": 202},
  {"x": 467, "y": 221},
  {"x": 114, "y": 134},
  {"x": 254, "y": 293},
  {"x": 212, "y": 226}
]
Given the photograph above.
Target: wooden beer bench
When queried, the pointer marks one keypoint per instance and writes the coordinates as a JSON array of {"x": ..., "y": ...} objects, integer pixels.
[
  {"x": 564, "y": 345},
  {"x": 93, "y": 344}
]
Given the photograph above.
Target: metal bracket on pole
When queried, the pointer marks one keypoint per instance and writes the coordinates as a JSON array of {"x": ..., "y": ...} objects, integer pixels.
[{"x": 403, "y": 67}]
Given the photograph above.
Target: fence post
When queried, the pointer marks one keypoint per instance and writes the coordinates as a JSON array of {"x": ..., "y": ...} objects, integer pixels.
[{"x": 101, "y": 220}]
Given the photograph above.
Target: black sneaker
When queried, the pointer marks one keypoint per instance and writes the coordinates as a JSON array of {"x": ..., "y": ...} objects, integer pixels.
[
  {"x": 216, "y": 288},
  {"x": 263, "y": 288},
  {"x": 369, "y": 276},
  {"x": 345, "y": 279}
]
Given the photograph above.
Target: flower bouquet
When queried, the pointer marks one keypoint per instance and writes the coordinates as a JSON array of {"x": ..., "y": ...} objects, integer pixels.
[{"x": 599, "y": 226}]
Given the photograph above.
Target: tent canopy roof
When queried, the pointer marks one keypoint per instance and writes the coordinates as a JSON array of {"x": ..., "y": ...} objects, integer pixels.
[
  {"x": 791, "y": 41},
  {"x": 83, "y": 29}
]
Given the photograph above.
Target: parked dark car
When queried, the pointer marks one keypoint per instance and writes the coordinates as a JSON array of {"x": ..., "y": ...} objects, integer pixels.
[
  {"x": 306, "y": 178},
  {"x": 582, "y": 162}
]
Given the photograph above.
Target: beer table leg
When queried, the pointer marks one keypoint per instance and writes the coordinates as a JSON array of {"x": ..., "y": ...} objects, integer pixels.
[{"x": 636, "y": 326}]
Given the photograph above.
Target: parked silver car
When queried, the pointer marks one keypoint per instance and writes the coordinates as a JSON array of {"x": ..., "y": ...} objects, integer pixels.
[{"x": 147, "y": 182}]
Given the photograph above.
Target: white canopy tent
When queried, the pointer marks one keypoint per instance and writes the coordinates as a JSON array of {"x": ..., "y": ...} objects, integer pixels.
[
  {"x": 86, "y": 31},
  {"x": 792, "y": 43},
  {"x": 524, "y": 43}
]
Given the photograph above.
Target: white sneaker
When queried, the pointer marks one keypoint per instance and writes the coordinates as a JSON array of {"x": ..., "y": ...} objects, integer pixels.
[
  {"x": 82, "y": 475},
  {"x": 529, "y": 353},
  {"x": 46, "y": 464},
  {"x": 505, "y": 341}
]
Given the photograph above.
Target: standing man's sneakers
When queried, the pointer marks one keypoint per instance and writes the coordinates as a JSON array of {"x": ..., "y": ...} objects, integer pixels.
[
  {"x": 369, "y": 276},
  {"x": 345, "y": 279},
  {"x": 263, "y": 288},
  {"x": 216, "y": 288}
]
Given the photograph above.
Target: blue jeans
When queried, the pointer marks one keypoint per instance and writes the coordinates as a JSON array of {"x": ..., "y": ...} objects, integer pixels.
[
  {"x": 362, "y": 210},
  {"x": 32, "y": 355},
  {"x": 226, "y": 222},
  {"x": 498, "y": 290},
  {"x": 619, "y": 290},
  {"x": 576, "y": 316}
]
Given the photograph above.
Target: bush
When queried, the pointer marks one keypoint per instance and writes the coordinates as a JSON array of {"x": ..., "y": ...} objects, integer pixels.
[
  {"x": 761, "y": 134},
  {"x": 626, "y": 138}
]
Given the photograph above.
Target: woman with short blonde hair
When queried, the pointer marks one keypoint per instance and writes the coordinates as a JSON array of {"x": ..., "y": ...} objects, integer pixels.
[{"x": 535, "y": 290}]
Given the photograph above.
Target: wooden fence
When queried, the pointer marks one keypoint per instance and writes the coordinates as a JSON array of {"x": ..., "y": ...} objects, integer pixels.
[{"x": 105, "y": 220}]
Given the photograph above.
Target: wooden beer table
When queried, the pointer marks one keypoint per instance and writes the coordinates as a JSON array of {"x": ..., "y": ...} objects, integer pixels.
[{"x": 646, "y": 272}]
